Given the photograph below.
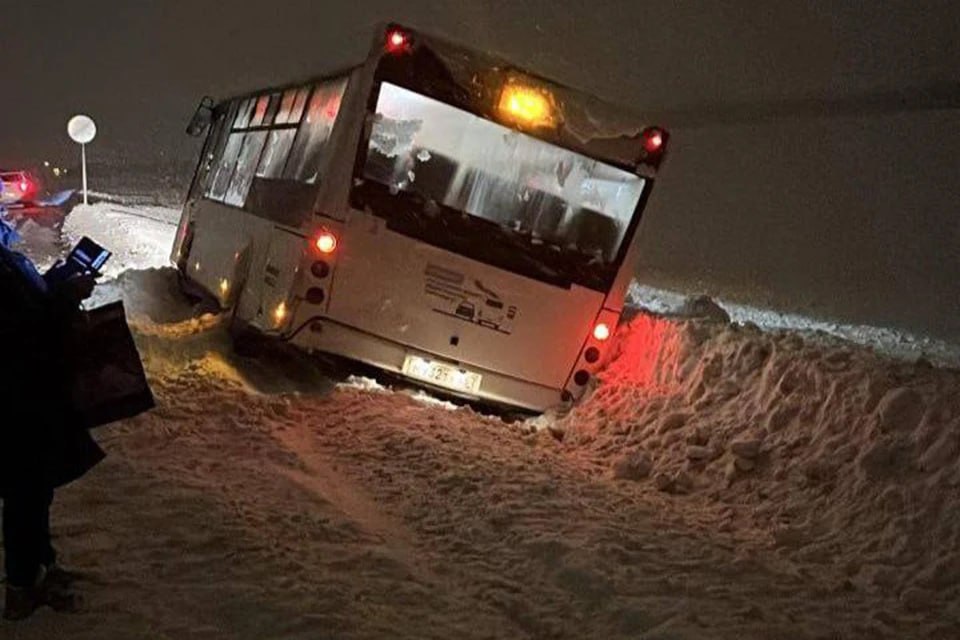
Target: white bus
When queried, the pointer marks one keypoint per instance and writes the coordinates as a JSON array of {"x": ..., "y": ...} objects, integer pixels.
[{"x": 435, "y": 212}]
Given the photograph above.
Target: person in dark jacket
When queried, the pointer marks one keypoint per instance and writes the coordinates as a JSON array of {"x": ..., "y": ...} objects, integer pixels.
[{"x": 40, "y": 448}]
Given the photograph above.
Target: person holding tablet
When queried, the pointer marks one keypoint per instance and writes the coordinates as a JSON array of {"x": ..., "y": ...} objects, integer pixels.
[{"x": 40, "y": 449}]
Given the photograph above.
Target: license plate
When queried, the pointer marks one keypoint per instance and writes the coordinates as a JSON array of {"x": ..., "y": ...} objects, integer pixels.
[{"x": 442, "y": 375}]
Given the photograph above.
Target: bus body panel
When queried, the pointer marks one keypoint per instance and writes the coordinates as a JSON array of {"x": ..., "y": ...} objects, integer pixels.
[
  {"x": 466, "y": 311},
  {"x": 335, "y": 186},
  {"x": 219, "y": 235},
  {"x": 274, "y": 282},
  {"x": 327, "y": 336}
]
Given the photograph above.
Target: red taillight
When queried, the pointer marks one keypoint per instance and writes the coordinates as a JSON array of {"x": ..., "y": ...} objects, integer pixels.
[
  {"x": 397, "y": 41},
  {"x": 326, "y": 242},
  {"x": 601, "y": 332},
  {"x": 24, "y": 186}
]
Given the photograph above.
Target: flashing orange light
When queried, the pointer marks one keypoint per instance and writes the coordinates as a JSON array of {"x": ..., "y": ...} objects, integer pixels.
[
  {"x": 326, "y": 242},
  {"x": 527, "y": 106},
  {"x": 601, "y": 332}
]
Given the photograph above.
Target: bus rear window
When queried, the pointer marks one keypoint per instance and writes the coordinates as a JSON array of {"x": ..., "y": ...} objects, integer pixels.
[{"x": 523, "y": 184}]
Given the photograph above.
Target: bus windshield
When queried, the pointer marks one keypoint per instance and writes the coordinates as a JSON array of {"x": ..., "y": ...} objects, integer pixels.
[{"x": 465, "y": 183}]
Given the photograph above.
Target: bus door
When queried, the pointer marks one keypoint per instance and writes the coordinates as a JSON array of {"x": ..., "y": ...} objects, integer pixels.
[{"x": 276, "y": 280}]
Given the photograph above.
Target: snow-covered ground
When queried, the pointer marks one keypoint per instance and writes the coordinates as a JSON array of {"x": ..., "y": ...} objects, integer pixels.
[
  {"x": 138, "y": 236},
  {"x": 720, "y": 481}
]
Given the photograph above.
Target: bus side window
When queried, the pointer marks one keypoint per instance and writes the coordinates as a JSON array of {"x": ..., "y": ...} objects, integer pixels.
[
  {"x": 224, "y": 171},
  {"x": 259, "y": 111},
  {"x": 275, "y": 153},
  {"x": 308, "y": 147},
  {"x": 244, "y": 113},
  {"x": 291, "y": 105},
  {"x": 272, "y": 108},
  {"x": 246, "y": 165}
]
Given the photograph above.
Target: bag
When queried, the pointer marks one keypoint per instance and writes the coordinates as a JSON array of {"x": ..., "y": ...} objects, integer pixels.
[{"x": 106, "y": 381}]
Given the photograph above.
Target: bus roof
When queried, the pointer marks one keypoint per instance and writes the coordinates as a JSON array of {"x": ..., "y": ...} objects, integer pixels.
[
  {"x": 479, "y": 82},
  {"x": 476, "y": 81}
]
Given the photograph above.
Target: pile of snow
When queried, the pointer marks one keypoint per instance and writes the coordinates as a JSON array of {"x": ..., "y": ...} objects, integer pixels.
[
  {"x": 831, "y": 453},
  {"x": 41, "y": 242},
  {"x": 150, "y": 296},
  {"x": 898, "y": 344},
  {"x": 138, "y": 236},
  {"x": 138, "y": 200}
]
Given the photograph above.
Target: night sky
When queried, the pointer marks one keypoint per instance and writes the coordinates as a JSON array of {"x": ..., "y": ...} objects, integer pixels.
[{"x": 848, "y": 215}]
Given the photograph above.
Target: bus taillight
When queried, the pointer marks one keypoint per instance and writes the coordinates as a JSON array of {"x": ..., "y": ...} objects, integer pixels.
[
  {"x": 601, "y": 332},
  {"x": 326, "y": 242},
  {"x": 397, "y": 41}
]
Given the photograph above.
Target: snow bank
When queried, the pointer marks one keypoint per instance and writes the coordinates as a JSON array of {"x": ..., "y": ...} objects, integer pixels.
[
  {"x": 827, "y": 451},
  {"x": 898, "y": 344},
  {"x": 150, "y": 296}
]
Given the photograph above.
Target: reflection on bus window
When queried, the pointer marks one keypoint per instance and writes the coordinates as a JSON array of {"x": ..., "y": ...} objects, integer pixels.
[
  {"x": 315, "y": 129},
  {"x": 275, "y": 153},
  {"x": 286, "y": 106},
  {"x": 243, "y": 113},
  {"x": 271, "y": 109},
  {"x": 246, "y": 165},
  {"x": 527, "y": 186},
  {"x": 259, "y": 111},
  {"x": 221, "y": 179},
  {"x": 299, "y": 102}
]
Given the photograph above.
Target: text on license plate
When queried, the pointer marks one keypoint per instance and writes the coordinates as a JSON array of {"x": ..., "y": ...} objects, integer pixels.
[{"x": 440, "y": 374}]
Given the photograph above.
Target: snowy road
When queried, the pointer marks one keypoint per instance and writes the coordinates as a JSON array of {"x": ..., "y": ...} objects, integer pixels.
[
  {"x": 346, "y": 513},
  {"x": 721, "y": 482}
]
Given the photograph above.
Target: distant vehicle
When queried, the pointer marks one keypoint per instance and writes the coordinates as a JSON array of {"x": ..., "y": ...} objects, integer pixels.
[
  {"x": 433, "y": 211},
  {"x": 19, "y": 187}
]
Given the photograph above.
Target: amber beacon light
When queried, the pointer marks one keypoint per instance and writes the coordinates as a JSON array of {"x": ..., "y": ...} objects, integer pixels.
[{"x": 527, "y": 106}]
